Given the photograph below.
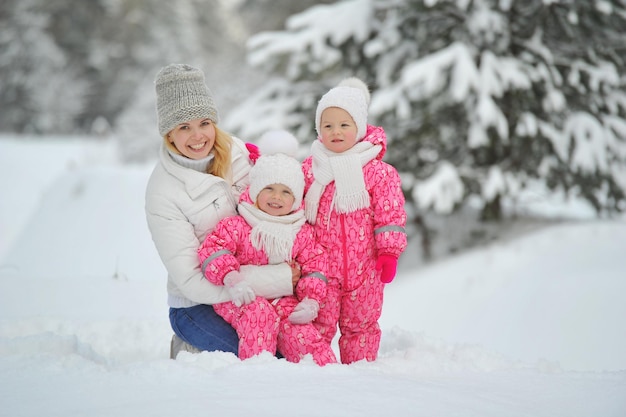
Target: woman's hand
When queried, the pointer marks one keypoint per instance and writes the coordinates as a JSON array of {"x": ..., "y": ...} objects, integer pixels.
[{"x": 296, "y": 273}]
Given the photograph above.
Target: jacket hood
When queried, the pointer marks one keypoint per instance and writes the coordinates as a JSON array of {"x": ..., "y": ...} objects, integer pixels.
[
  {"x": 376, "y": 136},
  {"x": 195, "y": 182},
  {"x": 245, "y": 197}
]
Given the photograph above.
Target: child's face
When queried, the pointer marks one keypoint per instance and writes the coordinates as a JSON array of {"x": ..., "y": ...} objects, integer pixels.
[
  {"x": 275, "y": 199},
  {"x": 337, "y": 130},
  {"x": 194, "y": 139}
]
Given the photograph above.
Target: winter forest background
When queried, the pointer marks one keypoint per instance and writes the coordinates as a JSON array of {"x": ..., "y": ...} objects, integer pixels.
[
  {"x": 506, "y": 118},
  {"x": 491, "y": 106}
]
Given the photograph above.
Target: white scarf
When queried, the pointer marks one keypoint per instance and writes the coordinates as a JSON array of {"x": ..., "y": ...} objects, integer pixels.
[
  {"x": 274, "y": 235},
  {"x": 346, "y": 169}
]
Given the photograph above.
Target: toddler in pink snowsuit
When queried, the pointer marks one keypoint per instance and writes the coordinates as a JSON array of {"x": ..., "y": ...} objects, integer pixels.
[
  {"x": 271, "y": 228},
  {"x": 355, "y": 201}
]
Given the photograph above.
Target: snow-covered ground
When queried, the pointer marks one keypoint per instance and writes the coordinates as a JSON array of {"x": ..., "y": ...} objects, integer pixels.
[{"x": 531, "y": 326}]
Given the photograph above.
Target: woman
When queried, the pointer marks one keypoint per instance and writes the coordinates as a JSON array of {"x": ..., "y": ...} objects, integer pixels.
[{"x": 200, "y": 174}]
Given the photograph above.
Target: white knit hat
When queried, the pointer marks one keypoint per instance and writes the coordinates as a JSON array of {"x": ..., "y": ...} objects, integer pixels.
[
  {"x": 182, "y": 95},
  {"x": 351, "y": 95},
  {"x": 277, "y": 165}
]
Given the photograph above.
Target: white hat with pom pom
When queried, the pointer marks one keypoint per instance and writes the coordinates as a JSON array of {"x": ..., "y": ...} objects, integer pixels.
[
  {"x": 351, "y": 95},
  {"x": 277, "y": 165}
]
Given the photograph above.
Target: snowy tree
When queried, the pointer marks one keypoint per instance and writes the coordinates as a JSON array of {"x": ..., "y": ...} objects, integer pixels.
[
  {"x": 88, "y": 67},
  {"x": 63, "y": 64},
  {"x": 40, "y": 88},
  {"x": 483, "y": 101}
]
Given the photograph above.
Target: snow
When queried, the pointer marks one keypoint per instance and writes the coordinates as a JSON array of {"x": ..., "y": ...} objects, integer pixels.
[
  {"x": 441, "y": 191},
  {"x": 586, "y": 132},
  {"x": 531, "y": 326}
]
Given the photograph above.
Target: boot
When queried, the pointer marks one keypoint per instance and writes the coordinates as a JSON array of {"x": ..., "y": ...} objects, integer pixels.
[{"x": 177, "y": 344}]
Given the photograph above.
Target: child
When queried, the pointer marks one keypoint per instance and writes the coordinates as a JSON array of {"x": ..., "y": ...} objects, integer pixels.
[
  {"x": 355, "y": 201},
  {"x": 270, "y": 229}
]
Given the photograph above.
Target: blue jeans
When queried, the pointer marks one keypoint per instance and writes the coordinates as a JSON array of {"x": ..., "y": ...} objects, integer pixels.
[{"x": 203, "y": 328}]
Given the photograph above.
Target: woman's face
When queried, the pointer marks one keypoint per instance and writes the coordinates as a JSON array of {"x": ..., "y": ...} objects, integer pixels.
[
  {"x": 337, "y": 130},
  {"x": 194, "y": 139}
]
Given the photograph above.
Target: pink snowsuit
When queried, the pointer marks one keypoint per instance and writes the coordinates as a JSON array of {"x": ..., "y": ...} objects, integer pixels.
[
  {"x": 263, "y": 325},
  {"x": 353, "y": 241}
]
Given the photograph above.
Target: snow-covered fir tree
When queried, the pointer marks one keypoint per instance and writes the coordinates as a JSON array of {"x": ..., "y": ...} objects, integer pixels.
[
  {"x": 65, "y": 64},
  {"x": 40, "y": 88},
  {"x": 485, "y": 102},
  {"x": 88, "y": 67}
]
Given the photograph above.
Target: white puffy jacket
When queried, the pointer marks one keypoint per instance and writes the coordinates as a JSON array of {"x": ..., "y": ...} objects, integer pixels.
[{"x": 182, "y": 207}]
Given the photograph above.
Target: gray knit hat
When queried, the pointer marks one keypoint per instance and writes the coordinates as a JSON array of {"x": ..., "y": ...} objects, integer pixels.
[{"x": 182, "y": 95}]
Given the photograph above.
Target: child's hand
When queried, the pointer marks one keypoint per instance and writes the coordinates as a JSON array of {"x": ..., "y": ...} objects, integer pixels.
[
  {"x": 296, "y": 273},
  {"x": 240, "y": 291},
  {"x": 305, "y": 312},
  {"x": 387, "y": 265}
]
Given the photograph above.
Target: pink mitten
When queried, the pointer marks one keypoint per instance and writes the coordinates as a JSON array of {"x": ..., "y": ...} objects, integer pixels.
[
  {"x": 305, "y": 312},
  {"x": 240, "y": 291},
  {"x": 387, "y": 265},
  {"x": 254, "y": 151}
]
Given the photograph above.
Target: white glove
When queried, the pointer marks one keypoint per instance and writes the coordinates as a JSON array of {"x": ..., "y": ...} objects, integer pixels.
[
  {"x": 240, "y": 291},
  {"x": 305, "y": 312}
]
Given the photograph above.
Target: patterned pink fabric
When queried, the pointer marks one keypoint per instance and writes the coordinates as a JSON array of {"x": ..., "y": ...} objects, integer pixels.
[
  {"x": 297, "y": 340},
  {"x": 227, "y": 248},
  {"x": 353, "y": 242},
  {"x": 256, "y": 325},
  {"x": 232, "y": 235}
]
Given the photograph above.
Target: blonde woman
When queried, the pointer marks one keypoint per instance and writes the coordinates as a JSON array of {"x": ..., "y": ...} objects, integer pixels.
[{"x": 197, "y": 181}]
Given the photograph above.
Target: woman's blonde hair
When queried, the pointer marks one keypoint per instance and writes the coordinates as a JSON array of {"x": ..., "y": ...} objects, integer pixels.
[{"x": 222, "y": 159}]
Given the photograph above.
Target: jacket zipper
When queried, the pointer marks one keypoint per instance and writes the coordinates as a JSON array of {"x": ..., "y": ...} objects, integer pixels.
[{"x": 345, "y": 250}]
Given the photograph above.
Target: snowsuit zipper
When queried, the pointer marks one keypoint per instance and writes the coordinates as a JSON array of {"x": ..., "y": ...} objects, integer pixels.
[{"x": 344, "y": 246}]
